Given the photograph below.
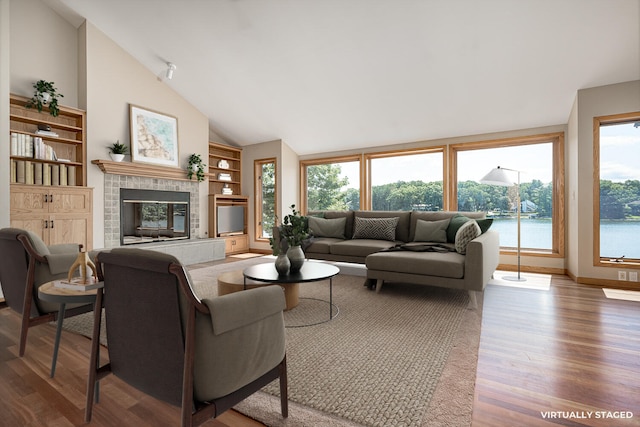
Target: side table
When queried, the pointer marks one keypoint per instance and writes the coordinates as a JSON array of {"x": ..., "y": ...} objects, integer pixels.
[{"x": 49, "y": 292}]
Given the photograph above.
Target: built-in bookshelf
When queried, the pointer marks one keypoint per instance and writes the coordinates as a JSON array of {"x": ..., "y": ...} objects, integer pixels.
[
  {"x": 46, "y": 150},
  {"x": 48, "y": 192},
  {"x": 225, "y": 169}
]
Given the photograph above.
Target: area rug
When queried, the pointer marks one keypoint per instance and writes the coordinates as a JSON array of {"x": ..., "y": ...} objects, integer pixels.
[{"x": 405, "y": 356}]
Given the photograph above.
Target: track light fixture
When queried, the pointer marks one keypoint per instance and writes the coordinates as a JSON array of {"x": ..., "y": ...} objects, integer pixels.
[{"x": 170, "y": 70}]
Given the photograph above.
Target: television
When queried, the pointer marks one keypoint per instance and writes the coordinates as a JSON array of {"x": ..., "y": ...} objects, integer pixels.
[{"x": 230, "y": 220}]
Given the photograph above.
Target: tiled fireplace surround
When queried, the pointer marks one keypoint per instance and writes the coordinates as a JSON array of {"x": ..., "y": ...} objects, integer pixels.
[{"x": 113, "y": 184}]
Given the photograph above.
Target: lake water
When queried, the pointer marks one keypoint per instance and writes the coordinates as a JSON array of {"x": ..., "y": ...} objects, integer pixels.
[{"x": 617, "y": 237}]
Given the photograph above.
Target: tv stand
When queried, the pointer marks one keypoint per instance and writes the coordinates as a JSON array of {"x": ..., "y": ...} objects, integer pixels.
[{"x": 234, "y": 242}]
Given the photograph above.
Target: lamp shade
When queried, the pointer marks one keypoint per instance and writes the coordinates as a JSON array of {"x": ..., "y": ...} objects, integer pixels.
[{"x": 497, "y": 176}]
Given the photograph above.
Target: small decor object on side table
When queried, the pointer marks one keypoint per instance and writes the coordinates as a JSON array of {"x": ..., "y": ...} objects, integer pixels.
[
  {"x": 294, "y": 230},
  {"x": 83, "y": 263}
]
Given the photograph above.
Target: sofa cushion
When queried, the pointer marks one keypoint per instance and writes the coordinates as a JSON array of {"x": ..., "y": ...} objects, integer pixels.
[
  {"x": 447, "y": 264},
  {"x": 431, "y": 231},
  {"x": 375, "y": 228},
  {"x": 321, "y": 245},
  {"x": 325, "y": 227},
  {"x": 338, "y": 214},
  {"x": 454, "y": 225},
  {"x": 404, "y": 221},
  {"x": 360, "y": 247},
  {"x": 465, "y": 234}
]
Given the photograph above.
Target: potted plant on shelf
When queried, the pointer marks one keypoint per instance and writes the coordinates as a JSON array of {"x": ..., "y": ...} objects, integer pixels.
[
  {"x": 46, "y": 93},
  {"x": 294, "y": 230},
  {"x": 118, "y": 151},
  {"x": 196, "y": 166}
]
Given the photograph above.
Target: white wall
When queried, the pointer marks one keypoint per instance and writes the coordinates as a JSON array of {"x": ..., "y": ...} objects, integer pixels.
[
  {"x": 114, "y": 79},
  {"x": 94, "y": 74},
  {"x": 287, "y": 180},
  {"x": 594, "y": 102}
]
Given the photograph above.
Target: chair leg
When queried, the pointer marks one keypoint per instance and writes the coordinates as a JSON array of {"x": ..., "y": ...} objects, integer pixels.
[
  {"x": 284, "y": 393},
  {"x": 23, "y": 333}
]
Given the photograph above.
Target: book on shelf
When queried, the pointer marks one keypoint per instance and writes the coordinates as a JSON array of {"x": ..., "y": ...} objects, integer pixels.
[
  {"x": 55, "y": 175},
  {"x": 28, "y": 172},
  {"x": 224, "y": 176},
  {"x": 14, "y": 171},
  {"x": 46, "y": 174},
  {"x": 71, "y": 175},
  {"x": 78, "y": 284},
  {"x": 63, "y": 174},
  {"x": 20, "y": 171},
  {"x": 47, "y": 133},
  {"x": 37, "y": 173}
]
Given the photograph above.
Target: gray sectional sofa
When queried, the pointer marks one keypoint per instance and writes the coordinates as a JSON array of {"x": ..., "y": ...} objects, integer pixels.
[{"x": 421, "y": 247}]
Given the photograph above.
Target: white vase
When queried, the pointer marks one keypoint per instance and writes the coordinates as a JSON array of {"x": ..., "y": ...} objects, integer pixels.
[{"x": 116, "y": 157}]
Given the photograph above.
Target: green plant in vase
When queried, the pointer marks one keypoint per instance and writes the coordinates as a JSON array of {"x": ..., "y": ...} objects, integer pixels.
[
  {"x": 294, "y": 231},
  {"x": 46, "y": 93},
  {"x": 196, "y": 166}
]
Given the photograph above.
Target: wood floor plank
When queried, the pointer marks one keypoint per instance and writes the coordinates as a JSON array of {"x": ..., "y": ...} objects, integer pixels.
[{"x": 566, "y": 349}]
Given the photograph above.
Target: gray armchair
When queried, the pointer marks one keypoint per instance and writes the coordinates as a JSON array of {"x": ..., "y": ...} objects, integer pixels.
[
  {"x": 26, "y": 263},
  {"x": 204, "y": 356}
]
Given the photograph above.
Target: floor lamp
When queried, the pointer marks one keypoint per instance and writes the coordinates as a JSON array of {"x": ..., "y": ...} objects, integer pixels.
[{"x": 498, "y": 176}]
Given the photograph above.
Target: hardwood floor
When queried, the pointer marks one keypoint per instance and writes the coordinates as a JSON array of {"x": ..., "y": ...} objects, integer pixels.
[{"x": 567, "y": 349}]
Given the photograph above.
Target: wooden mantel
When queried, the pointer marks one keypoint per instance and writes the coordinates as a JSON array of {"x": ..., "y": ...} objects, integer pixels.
[{"x": 141, "y": 169}]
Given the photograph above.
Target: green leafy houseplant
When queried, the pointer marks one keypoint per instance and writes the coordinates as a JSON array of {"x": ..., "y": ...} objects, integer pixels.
[
  {"x": 117, "y": 148},
  {"x": 196, "y": 160},
  {"x": 294, "y": 227},
  {"x": 46, "y": 93}
]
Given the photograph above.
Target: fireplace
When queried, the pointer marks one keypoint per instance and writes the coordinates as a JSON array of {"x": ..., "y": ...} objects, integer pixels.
[{"x": 153, "y": 216}]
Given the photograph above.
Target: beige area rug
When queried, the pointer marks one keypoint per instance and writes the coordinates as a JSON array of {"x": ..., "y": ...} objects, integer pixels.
[
  {"x": 406, "y": 356},
  {"x": 541, "y": 282}
]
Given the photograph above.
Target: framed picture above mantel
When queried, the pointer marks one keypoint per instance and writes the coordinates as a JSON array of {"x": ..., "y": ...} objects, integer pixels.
[{"x": 154, "y": 137}]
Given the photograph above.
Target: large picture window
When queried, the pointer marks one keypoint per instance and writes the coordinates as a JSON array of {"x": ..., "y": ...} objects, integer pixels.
[
  {"x": 408, "y": 180},
  {"x": 331, "y": 184},
  {"x": 617, "y": 188},
  {"x": 539, "y": 160}
]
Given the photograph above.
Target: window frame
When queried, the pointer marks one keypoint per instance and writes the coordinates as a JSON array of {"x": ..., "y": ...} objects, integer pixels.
[
  {"x": 257, "y": 192},
  {"x": 598, "y": 260},
  {"x": 368, "y": 190},
  {"x": 558, "y": 218},
  {"x": 304, "y": 164}
]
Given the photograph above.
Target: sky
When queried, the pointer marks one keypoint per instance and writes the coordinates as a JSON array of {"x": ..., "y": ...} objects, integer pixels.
[
  {"x": 533, "y": 162},
  {"x": 619, "y": 154}
]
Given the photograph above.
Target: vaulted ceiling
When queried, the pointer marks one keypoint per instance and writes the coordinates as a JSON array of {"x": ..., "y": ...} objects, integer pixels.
[{"x": 327, "y": 75}]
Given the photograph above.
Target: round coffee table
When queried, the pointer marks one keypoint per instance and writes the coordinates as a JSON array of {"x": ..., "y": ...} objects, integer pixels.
[{"x": 311, "y": 271}]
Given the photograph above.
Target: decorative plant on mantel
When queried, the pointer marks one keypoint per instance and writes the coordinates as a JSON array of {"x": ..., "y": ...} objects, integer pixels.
[
  {"x": 196, "y": 166},
  {"x": 117, "y": 148},
  {"x": 46, "y": 93},
  {"x": 118, "y": 151}
]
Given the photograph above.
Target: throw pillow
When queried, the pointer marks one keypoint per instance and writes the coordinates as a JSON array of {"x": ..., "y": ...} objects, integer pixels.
[
  {"x": 322, "y": 227},
  {"x": 456, "y": 222},
  {"x": 484, "y": 224},
  {"x": 431, "y": 231},
  {"x": 466, "y": 233},
  {"x": 375, "y": 228}
]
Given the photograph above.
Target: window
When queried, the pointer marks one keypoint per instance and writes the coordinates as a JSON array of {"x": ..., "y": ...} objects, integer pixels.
[
  {"x": 265, "y": 197},
  {"x": 405, "y": 181},
  {"x": 331, "y": 184},
  {"x": 540, "y": 162},
  {"x": 617, "y": 188}
]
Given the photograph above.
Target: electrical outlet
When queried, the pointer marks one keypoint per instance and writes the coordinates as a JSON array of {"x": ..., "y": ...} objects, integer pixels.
[
  {"x": 633, "y": 276},
  {"x": 622, "y": 275}
]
